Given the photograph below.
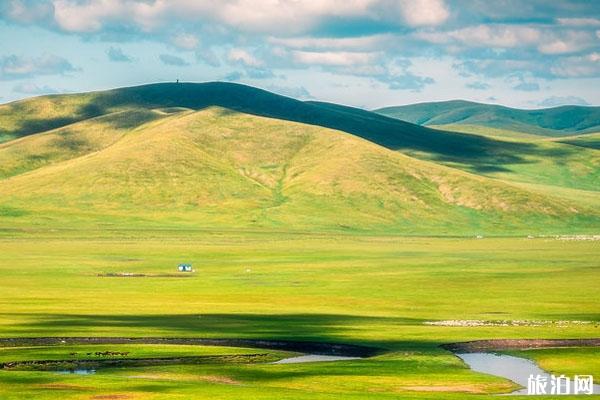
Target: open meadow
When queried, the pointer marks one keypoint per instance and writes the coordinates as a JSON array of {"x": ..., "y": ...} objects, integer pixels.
[
  {"x": 299, "y": 199},
  {"x": 387, "y": 292}
]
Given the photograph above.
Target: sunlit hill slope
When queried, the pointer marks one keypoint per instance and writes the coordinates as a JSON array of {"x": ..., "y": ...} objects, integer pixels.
[{"x": 225, "y": 156}]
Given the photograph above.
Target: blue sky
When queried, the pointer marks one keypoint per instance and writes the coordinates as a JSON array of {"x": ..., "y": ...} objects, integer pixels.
[{"x": 367, "y": 53}]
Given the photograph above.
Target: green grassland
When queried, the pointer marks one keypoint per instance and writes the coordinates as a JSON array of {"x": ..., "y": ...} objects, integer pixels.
[
  {"x": 544, "y": 162},
  {"x": 371, "y": 290},
  {"x": 478, "y": 154},
  {"x": 304, "y": 221},
  {"x": 536, "y": 160},
  {"x": 213, "y": 167},
  {"x": 80, "y": 352},
  {"x": 591, "y": 140},
  {"x": 497, "y": 133},
  {"x": 571, "y": 361},
  {"x": 552, "y": 122}
]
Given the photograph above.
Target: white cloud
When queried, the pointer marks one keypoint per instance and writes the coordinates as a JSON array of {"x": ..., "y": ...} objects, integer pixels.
[
  {"x": 241, "y": 56},
  {"x": 500, "y": 36},
  {"x": 284, "y": 17},
  {"x": 527, "y": 87},
  {"x": 578, "y": 66},
  {"x": 248, "y": 15},
  {"x": 354, "y": 43},
  {"x": 32, "y": 88},
  {"x": 92, "y": 15},
  {"x": 579, "y": 21},
  {"x": 568, "y": 42},
  {"x": 478, "y": 85},
  {"x": 289, "y": 16},
  {"x": 556, "y": 47},
  {"x": 331, "y": 58},
  {"x": 185, "y": 41},
  {"x": 207, "y": 56},
  {"x": 87, "y": 17},
  {"x": 555, "y": 101},
  {"x": 116, "y": 54},
  {"x": 15, "y": 67},
  {"x": 27, "y": 13},
  {"x": 169, "y": 59},
  {"x": 424, "y": 12}
]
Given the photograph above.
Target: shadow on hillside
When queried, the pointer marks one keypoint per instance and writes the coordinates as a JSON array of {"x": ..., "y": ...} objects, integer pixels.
[
  {"x": 306, "y": 326},
  {"x": 481, "y": 154},
  {"x": 478, "y": 153},
  {"x": 30, "y": 126},
  {"x": 330, "y": 328}
]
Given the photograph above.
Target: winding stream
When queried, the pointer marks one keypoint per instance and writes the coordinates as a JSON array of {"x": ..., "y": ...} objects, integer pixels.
[
  {"x": 512, "y": 368},
  {"x": 478, "y": 355},
  {"x": 76, "y": 371}
]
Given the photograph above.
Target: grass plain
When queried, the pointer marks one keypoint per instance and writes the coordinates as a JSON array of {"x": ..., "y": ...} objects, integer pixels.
[
  {"x": 370, "y": 290},
  {"x": 305, "y": 221}
]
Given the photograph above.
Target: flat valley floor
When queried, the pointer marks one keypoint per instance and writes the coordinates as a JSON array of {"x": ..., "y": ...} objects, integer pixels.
[{"x": 404, "y": 295}]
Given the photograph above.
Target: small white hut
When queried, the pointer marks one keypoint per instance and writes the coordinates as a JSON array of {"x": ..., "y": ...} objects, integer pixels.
[{"x": 185, "y": 268}]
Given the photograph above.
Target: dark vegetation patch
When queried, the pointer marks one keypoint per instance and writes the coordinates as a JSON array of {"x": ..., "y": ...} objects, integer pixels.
[
  {"x": 130, "y": 119},
  {"x": 140, "y": 275},
  {"x": 31, "y": 125},
  {"x": 62, "y": 386},
  {"x": 321, "y": 348},
  {"x": 69, "y": 141},
  {"x": 518, "y": 344},
  {"x": 92, "y": 364}
]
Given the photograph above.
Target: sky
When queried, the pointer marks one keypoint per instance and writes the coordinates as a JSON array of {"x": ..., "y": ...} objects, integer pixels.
[{"x": 365, "y": 53}]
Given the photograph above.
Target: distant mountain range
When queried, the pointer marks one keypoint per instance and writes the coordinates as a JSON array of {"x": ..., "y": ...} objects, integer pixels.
[
  {"x": 474, "y": 117},
  {"x": 228, "y": 156}
]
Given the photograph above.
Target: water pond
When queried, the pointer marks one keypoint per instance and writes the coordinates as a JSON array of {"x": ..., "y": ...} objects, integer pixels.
[
  {"x": 76, "y": 371},
  {"x": 313, "y": 358},
  {"x": 516, "y": 369}
]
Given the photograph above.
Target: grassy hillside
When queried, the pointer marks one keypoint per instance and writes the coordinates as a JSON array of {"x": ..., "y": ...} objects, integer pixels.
[
  {"x": 297, "y": 219},
  {"x": 557, "y": 121},
  {"x": 202, "y": 155},
  {"x": 551, "y": 163},
  {"x": 518, "y": 161},
  {"x": 34, "y": 151},
  {"x": 494, "y": 133},
  {"x": 591, "y": 140},
  {"x": 515, "y": 152},
  {"x": 218, "y": 167},
  {"x": 38, "y": 114}
]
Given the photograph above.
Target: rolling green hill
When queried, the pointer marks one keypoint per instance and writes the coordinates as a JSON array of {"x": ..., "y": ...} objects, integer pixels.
[
  {"x": 34, "y": 151},
  {"x": 40, "y": 114},
  {"x": 466, "y": 116},
  {"x": 515, "y": 160},
  {"x": 225, "y": 156}
]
